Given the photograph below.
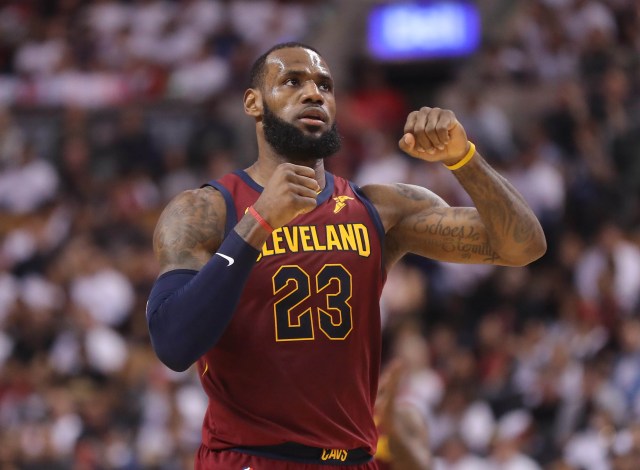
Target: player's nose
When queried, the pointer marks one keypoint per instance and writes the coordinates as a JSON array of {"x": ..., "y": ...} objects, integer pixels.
[{"x": 311, "y": 93}]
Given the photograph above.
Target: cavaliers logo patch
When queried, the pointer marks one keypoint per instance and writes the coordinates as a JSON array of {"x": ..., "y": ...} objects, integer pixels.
[{"x": 341, "y": 203}]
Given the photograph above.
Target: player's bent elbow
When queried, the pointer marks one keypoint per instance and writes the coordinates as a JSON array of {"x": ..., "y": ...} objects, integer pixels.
[
  {"x": 540, "y": 250},
  {"x": 177, "y": 366},
  {"x": 533, "y": 251},
  {"x": 171, "y": 353},
  {"x": 537, "y": 249},
  {"x": 170, "y": 358}
]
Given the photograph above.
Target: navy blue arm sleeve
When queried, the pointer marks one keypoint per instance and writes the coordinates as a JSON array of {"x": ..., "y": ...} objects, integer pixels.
[{"x": 188, "y": 310}]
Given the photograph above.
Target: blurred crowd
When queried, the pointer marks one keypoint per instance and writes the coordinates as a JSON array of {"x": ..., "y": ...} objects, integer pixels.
[{"x": 110, "y": 108}]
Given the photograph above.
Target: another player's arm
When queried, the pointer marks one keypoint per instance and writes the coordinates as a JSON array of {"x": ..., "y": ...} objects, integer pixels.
[{"x": 403, "y": 425}]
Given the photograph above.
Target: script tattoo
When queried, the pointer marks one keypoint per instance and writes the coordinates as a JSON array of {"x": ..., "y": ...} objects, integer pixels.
[{"x": 458, "y": 233}]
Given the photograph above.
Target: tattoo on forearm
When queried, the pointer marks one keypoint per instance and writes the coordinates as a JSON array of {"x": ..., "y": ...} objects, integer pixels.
[
  {"x": 500, "y": 229},
  {"x": 463, "y": 238},
  {"x": 505, "y": 213},
  {"x": 432, "y": 224}
]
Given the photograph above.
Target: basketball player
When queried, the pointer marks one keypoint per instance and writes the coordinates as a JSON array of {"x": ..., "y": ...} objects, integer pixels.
[
  {"x": 270, "y": 277},
  {"x": 404, "y": 440}
]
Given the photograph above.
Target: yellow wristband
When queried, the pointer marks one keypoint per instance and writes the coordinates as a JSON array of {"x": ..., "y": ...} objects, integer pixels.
[{"x": 465, "y": 159}]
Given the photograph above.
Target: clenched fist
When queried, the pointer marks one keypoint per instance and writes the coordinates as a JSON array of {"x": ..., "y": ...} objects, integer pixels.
[
  {"x": 292, "y": 190},
  {"x": 434, "y": 135}
]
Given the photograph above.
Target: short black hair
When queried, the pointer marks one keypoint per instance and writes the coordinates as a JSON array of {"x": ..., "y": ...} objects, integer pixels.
[{"x": 258, "y": 70}]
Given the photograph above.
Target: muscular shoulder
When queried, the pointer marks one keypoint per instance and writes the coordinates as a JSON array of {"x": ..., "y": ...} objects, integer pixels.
[
  {"x": 396, "y": 201},
  {"x": 190, "y": 229}
]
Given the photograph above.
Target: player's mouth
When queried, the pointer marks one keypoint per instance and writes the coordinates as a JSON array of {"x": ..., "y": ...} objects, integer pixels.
[{"x": 314, "y": 116}]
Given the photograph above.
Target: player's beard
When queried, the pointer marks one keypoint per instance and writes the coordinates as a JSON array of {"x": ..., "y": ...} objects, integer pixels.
[{"x": 293, "y": 144}]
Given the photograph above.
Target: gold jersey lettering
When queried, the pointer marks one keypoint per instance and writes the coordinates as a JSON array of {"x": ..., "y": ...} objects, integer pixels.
[
  {"x": 362, "y": 237},
  {"x": 334, "y": 454},
  {"x": 266, "y": 251},
  {"x": 291, "y": 236},
  {"x": 277, "y": 240},
  {"x": 333, "y": 240},
  {"x": 347, "y": 236},
  {"x": 316, "y": 242},
  {"x": 310, "y": 238},
  {"x": 305, "y": 238}
]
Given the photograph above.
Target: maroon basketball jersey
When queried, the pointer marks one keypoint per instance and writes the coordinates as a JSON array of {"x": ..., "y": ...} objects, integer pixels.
[{"x": 299, "y": 360}]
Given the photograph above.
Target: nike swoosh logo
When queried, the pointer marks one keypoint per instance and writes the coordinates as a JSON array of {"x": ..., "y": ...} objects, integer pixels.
[{"x": 229, "y": 259}]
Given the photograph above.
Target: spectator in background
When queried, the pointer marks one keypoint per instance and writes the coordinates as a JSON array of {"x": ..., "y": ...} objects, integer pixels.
[
  {"x": 135, "y": 149},
  {"x": 199, "y": 78},
  {"x": 488, "y": 123},
  {"x": 28, "y": 184},
  {"x": 608, "y": 273},
  {"x": 626, "y": 370},
  {"x": 509, "y": 443},
  {"x": 12, "y": 141},
  {"x": 454, "y": 455},
  {"x": 44, "y": 52},
  {"x": 108, "y": 18},
  {"x": 373, "y": 110}
]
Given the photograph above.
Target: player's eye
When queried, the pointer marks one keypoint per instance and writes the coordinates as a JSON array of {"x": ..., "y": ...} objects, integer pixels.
[
  {"x": 325, "y": 87},
  {"x": 292, "y": 81}
]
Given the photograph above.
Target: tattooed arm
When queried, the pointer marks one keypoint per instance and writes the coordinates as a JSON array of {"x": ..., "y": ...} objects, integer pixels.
[
  {"x": 513, "y": 230},
  {"x": 189, "y": 230},
  {"x": 193, "y": 299},
  {"x": 191, "y": 227},
  {"x": 501, "y": 229},
  {"x": 195, "y": 296},
  {"x": 418, "y": 221}
]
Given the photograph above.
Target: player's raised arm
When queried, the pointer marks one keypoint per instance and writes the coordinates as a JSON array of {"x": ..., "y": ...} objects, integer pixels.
[{"x": 500, "y": 229}]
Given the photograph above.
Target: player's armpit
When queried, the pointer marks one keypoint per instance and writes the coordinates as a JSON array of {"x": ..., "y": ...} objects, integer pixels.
[{"x": 189, "y": 229}]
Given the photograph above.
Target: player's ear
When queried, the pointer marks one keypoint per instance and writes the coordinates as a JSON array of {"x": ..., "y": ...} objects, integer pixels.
[{"x": 253, "y": 102}]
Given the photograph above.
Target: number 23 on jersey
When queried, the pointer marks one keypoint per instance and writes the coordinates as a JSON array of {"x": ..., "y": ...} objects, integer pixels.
[{"x": 293, "y": 286}]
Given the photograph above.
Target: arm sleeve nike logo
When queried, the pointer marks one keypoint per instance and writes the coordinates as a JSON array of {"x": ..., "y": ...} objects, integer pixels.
[{"x": 229, "y": 259}]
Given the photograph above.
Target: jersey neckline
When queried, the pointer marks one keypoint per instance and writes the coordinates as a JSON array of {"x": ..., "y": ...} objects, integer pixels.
[{"x": 323, "y": 196}]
